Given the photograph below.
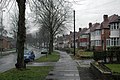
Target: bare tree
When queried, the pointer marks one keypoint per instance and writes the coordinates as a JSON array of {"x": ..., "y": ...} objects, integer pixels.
[
  {"x": 43, "y": 37},
  {"x": 21, "y": 34},
  {"x": 52, "y": 14}
]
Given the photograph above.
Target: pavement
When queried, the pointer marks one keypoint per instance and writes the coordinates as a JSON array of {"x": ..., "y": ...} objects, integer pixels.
[
  {"x": 41, "y": 64},
  {"x": 64, "y": 69},
  {"x": 7, "y": 52}
]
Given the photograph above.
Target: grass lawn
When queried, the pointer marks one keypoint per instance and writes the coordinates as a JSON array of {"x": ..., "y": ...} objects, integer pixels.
[
  {"x": 72, "y": 50},
  {"x": 114, "y": 67},
  {"x": 31, "y": 73},
  {"x": 83, "y": 53},
  {"x": 54, "y": 57}
]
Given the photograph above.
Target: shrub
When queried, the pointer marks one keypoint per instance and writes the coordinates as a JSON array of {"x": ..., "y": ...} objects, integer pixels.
[{"x": 99, "y": 55}]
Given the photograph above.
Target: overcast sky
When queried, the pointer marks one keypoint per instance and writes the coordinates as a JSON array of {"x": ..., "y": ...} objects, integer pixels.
[
  {"x": 86, "y": 11},
  {"x": 93, "y": 10}
]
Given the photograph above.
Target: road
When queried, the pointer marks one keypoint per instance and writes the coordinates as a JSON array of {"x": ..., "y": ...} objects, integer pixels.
[{"x": 7, "y": 62}]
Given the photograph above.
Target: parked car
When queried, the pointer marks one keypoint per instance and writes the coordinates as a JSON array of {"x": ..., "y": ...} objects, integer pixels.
[
  {"x": 44, "y": 51},
  {"x": 28, "y": 56}
]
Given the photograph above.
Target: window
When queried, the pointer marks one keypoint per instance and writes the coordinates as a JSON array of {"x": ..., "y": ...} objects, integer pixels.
[
  {"x": 114, "y": 26},
  {"x": 98, "y": 32},
  {"x": 92, "y": 43},
  {"x": 97, "y": 43},
  {"x": 112, "y": 41},
  {"x": 115, "y": 41},
  {"x": 108, "y": 42},
  {"x": 117, "y": 25}
]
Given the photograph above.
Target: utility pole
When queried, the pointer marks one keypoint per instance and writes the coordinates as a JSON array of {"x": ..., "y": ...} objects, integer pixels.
[{"x": 74, "y": 32}]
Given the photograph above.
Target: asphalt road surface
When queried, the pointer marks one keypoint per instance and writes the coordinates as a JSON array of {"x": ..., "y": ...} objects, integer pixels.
[{"x": 7, "y": 62}]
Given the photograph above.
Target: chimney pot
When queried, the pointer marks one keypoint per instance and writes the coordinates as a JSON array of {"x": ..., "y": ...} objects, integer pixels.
[
  {"x": 90, "y": 25},
  {"x": 79, "y": 29},
  {"x": 105, "y": 17}
]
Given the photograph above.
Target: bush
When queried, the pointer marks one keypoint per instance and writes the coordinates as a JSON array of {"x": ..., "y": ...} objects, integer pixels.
[
  {"x": 99, "y": 55},
  {"x": 114, "y": 52}
]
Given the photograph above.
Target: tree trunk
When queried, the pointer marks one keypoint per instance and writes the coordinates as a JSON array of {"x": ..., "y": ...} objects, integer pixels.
[
  {"x": 21, "y": 35},
  {"x": 51, "y": 44}
]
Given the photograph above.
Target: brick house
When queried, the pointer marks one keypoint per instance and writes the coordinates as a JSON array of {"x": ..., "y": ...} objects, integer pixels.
[
  {"x": 114, "y": 39},
  {"x": 60, "y": 43},
  {"x": 4, "y": 43},
  {"x": 63, "y": 41},
  {"x": 83, "y": 38},
  {"x": 66, "y": 41},
  {"x": 71, "y": 40},
  {"x": 106, "y": 30},
  {"x": 95, "y": 37}
]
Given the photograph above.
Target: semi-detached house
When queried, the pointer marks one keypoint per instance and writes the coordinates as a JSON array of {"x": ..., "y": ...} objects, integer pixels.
[
  {"x": 98, "y": 36},
  {"x": 84, "y": 38},
  {"x": 114, "y": 39},
  {"x": 95, "y": 37}
]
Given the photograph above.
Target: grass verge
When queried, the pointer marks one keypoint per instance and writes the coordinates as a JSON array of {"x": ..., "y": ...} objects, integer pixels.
[
  {"x": 54, "y": 57},
  {"x": 83, "y": 55},
  {"x": 31, "y": 73},
  {"x": 115, "y": 68},
  {"x": 87, "y": 54}
]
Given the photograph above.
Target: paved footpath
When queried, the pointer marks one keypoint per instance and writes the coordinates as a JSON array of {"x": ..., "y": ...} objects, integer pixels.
[{"x": 64, "y": 69}]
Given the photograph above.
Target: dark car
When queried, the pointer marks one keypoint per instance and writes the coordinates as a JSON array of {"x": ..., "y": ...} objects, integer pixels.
[
  {"x": 44, "y": 51},
  {"x": 28, "y": 56}
]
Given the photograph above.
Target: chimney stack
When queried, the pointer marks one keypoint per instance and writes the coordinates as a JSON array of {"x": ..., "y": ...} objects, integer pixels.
[
  {"x": 105, "y": 17},
  {"x": 79, "y": 29},
  {"x": 90, "y": 25}
]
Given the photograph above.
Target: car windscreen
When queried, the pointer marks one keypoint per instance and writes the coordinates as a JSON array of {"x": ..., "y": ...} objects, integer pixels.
[{"x": 26, "y": 52}]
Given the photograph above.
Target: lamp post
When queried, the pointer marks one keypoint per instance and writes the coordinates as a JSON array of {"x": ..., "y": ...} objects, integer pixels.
[
  {"x": 1, "y": 30},
  {"x": 74, "y": 31}
]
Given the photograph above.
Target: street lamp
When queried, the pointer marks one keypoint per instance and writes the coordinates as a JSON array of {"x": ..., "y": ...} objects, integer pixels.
[
  {"x": 1, "y": 30},
  {"x": 74, "y": 30}
]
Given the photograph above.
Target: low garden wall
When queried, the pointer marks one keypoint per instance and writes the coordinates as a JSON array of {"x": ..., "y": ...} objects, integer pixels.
[{"x": 101, "y": 72}]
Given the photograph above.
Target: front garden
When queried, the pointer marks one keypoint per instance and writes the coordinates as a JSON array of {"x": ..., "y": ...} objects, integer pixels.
[{"x": 107, "y": 60}]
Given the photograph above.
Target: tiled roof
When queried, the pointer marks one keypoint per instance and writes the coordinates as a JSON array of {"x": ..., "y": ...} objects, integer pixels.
[
  {"x": 94, "y": 27},
  {"x": 83, "y": 31},
  {"x": 60, "y": 38},
  {"x": 72, "y": 34},
  {"x": 116, "y": 20},
  {"x": 105, "y": 24},
  {"x": 6, "y": 38},
  {"x": 88, "y": 31}
]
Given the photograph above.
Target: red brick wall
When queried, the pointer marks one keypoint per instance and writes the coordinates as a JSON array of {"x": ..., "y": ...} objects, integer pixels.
[
  {"x": 104, "y": 36},
  {"x": 6, "y": 44},
  {"x": 83, "y": 39},
  {"x": 98, "y": 48}
]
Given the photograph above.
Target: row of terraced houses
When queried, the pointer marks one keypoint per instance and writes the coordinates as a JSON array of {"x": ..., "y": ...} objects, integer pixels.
[{"x": 98, "y": 36}]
